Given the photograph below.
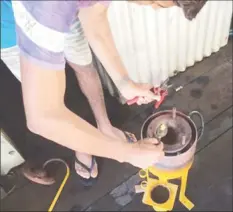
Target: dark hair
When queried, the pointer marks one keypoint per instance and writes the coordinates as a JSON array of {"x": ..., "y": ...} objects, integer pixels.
[{"x": 190, "y": 7}]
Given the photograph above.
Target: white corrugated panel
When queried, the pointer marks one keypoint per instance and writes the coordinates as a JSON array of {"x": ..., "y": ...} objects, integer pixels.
[
  {"x": 155, "y": 44},
  {"x": 10, "y": 157}
]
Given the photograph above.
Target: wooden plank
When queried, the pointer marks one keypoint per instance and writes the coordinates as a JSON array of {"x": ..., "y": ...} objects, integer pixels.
[
  {"x": 211, "y": 181},
  {"x": 216, "y": 127},
  {"x": 206, "y": 96},
  {"x": 123, "y": 194},
  {"x": 26, "y": 198}
]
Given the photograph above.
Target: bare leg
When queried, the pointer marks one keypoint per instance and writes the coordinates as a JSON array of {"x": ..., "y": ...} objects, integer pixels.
[{"x": 90, "y": 85}]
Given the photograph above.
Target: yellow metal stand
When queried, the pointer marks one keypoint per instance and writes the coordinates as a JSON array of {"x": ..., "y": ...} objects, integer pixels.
[{"x": 163, "y": 180}]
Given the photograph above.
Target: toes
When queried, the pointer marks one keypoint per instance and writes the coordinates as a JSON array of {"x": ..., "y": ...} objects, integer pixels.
[
  {"x": 94, "y": 172},
  {"x": 130, "y": 137},
  {"x": 87, "y": 169},
  {"x": 82, "y": 172}
]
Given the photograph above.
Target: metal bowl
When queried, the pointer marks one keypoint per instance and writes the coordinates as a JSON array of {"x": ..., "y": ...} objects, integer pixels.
[{"x": 180, "y": 141}]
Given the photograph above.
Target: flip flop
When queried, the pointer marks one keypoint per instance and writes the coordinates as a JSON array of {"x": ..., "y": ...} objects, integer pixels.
[
  {"x": 90, "y": 181},
  {"x": 131, "y": 138}
]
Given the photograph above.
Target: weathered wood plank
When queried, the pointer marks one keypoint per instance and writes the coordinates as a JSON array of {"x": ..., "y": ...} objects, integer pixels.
[
  {"x": 216, "y": 127},
  {"x": 211, "y": 181},
  {"x": 207, "y": 93}
]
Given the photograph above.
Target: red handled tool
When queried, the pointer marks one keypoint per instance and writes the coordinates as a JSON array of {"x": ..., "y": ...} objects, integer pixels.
[
  {"x": 132, "y": 101},
  {"x": 162, "y": 91}
]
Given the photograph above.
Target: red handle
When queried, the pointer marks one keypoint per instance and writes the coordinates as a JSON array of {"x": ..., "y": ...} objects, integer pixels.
[
  {"x": 157, "y": 104},
  {"x": 163, "y": 94},
  {"x": 157, "y": 91}
]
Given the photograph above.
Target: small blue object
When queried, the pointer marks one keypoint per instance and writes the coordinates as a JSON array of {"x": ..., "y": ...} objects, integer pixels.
[{"x": 8, "y": 33}]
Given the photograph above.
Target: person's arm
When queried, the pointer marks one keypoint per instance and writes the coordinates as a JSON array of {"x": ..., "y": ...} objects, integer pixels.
[
  {"x": 47, "y": 115},
  {"x": 40, "y": 40},
  {"x": 41, "y": 44},
  {"x": 97, "y": 30},
  {"x": 96, "y": 27}
]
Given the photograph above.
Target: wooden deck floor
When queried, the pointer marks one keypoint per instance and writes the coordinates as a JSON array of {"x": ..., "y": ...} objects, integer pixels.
[{"x": 207, "y": 88}]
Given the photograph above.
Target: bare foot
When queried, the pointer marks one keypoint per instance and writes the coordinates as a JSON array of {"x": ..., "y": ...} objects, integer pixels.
[{"x": 87, "y": 160}]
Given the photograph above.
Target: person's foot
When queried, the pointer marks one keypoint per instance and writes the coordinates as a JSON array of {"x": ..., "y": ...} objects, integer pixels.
[
  {"x": 115, "y": 133},
  {"x": 86, "y": 166},
  {"x": 37, "y": 175}
]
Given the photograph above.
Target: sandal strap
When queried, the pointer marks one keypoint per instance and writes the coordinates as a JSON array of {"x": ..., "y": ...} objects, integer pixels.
[
  {"x": 93, "y": 162},
  {"x": 84, "y": 166},
  {"x": 128, "y": 137}
]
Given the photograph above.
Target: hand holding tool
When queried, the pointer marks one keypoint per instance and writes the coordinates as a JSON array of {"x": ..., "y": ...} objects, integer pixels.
[{"x": 161, "y": 91}]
